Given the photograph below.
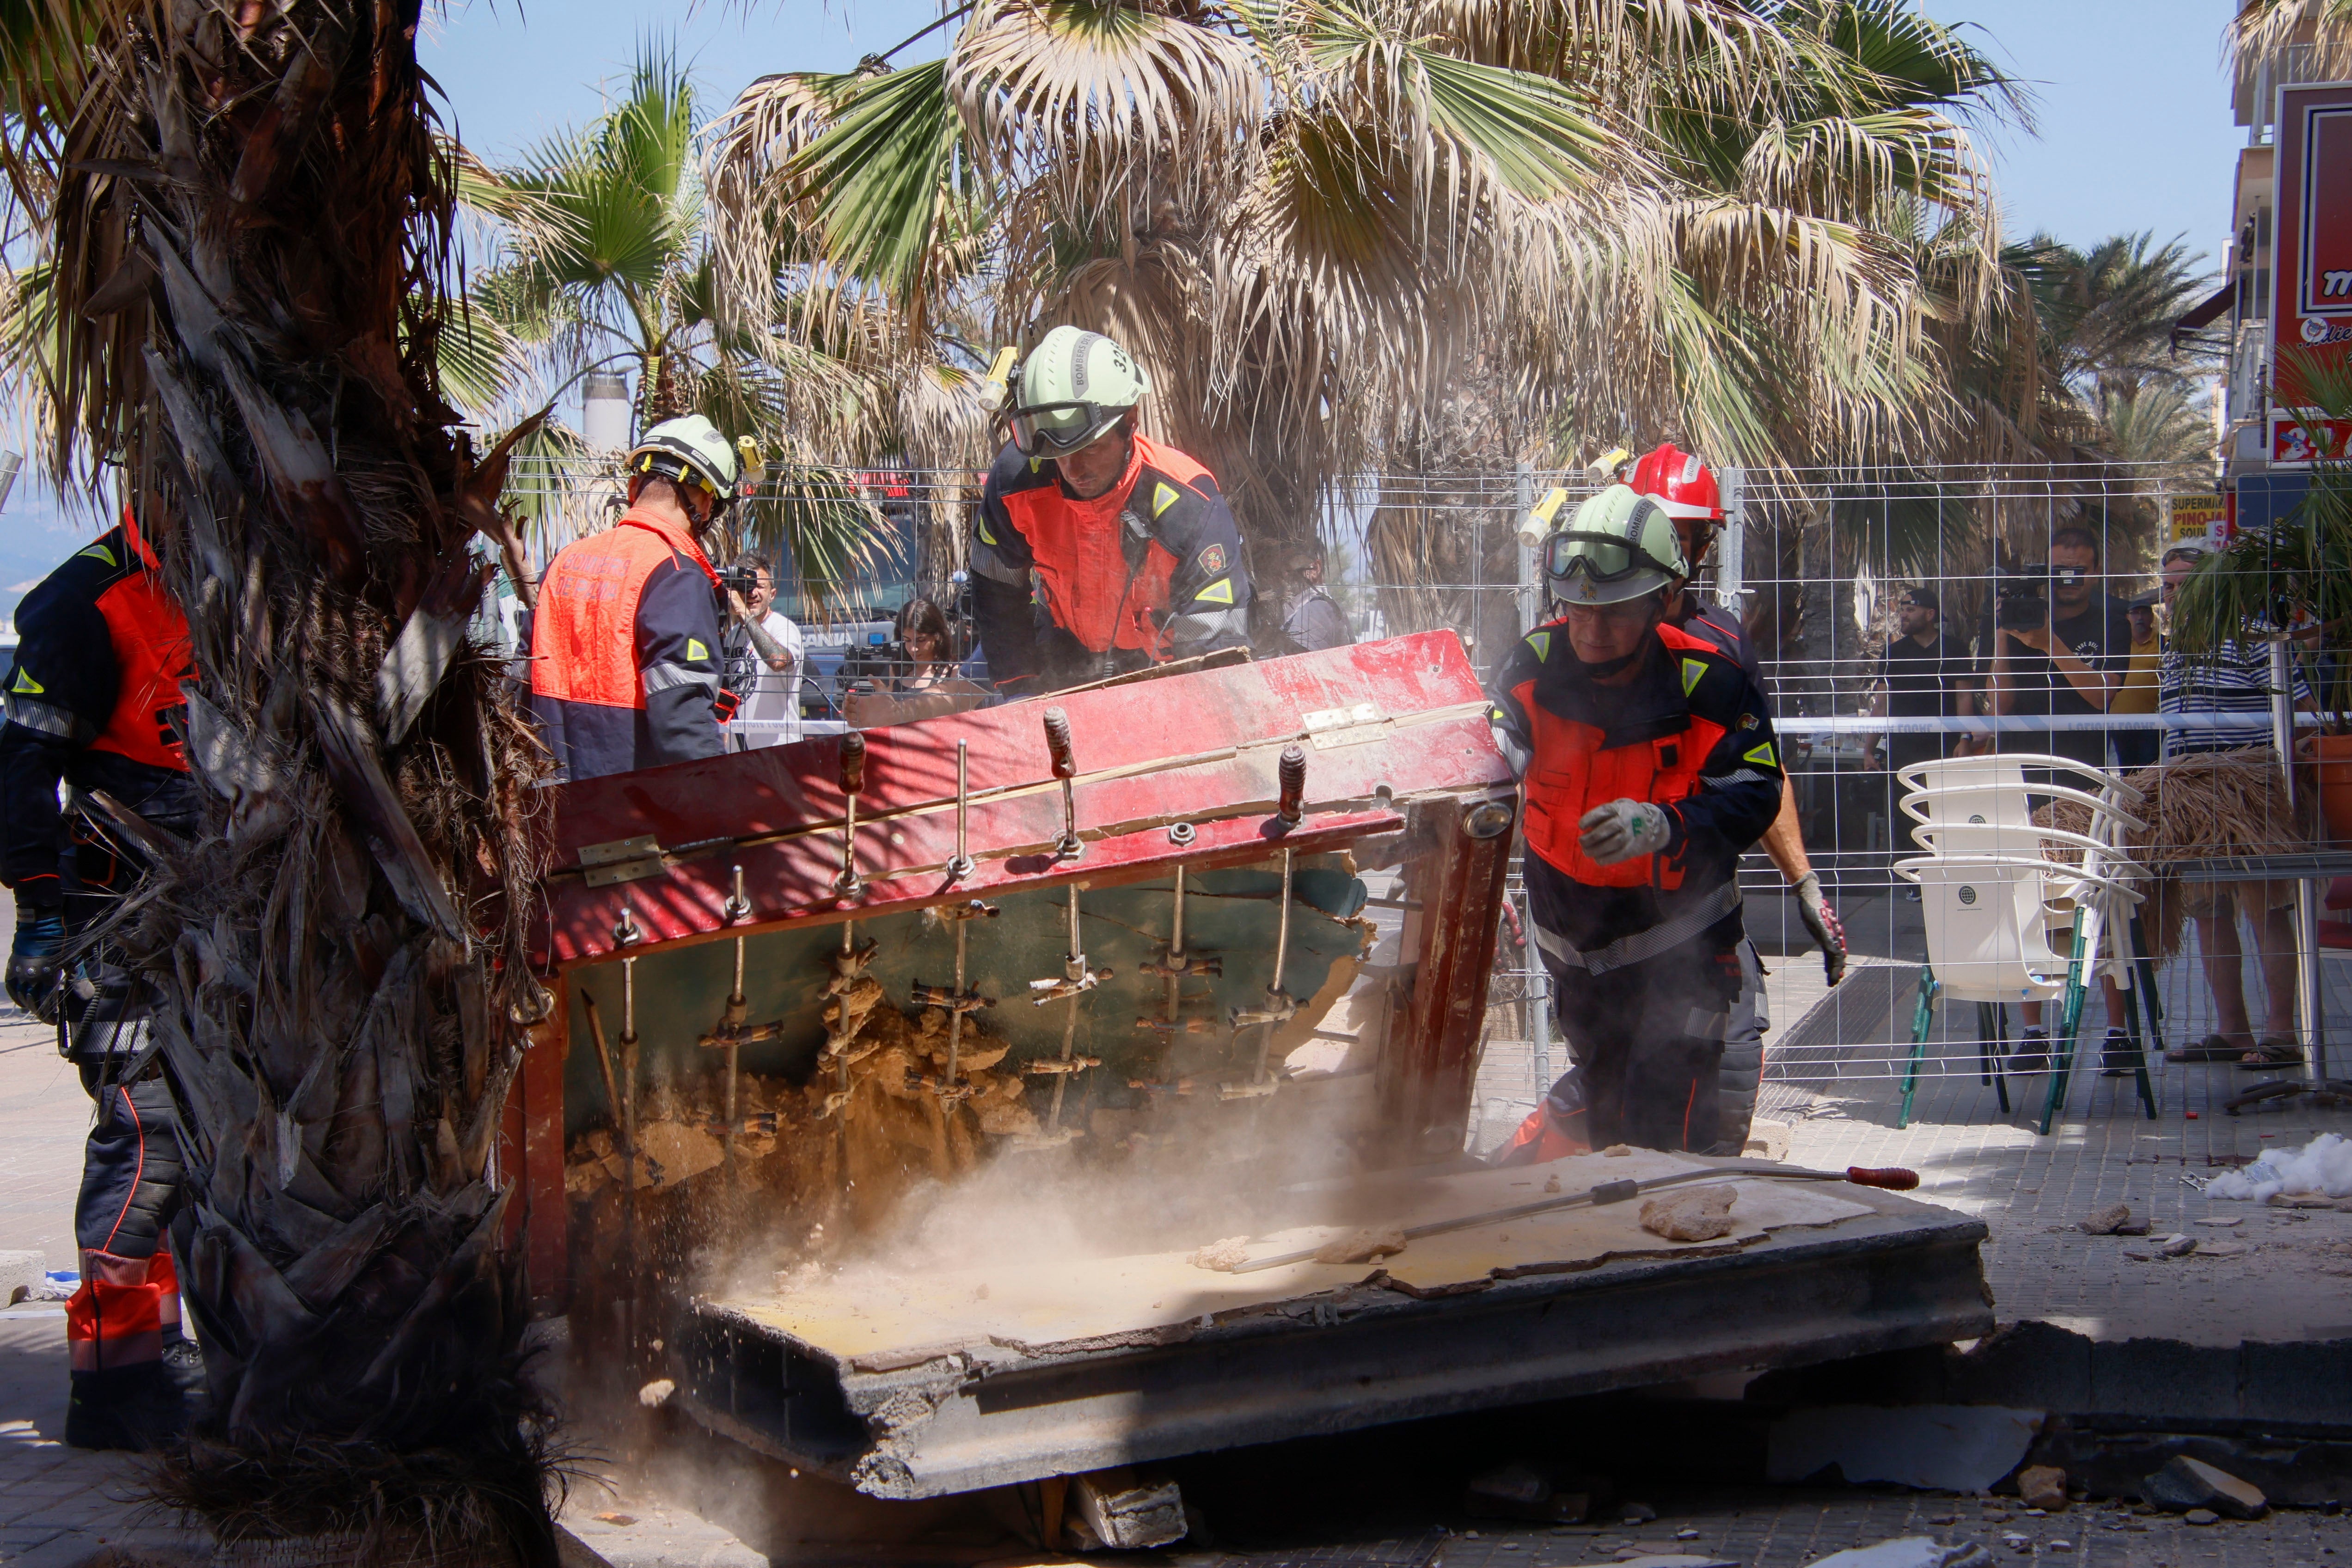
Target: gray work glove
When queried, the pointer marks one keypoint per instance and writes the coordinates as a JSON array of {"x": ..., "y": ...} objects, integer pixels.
[
  {"x": 1623, "y": 829},
  {"x": 1823, "y": 922}
]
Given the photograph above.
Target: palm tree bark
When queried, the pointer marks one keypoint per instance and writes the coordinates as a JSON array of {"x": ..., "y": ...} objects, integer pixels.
[{"x": 340, "y": 956}]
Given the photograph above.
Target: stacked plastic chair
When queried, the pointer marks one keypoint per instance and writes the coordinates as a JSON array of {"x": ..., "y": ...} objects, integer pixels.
[{"x": 2017, "y": 911}]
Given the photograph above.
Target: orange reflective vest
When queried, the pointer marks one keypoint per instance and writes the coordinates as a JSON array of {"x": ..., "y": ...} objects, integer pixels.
[
  {"x": 583, "y": 634},
  {"x": 1571, "y": 772},
  {"x": 152, "y": 654},
  {"x": 1079, "y": 552}
]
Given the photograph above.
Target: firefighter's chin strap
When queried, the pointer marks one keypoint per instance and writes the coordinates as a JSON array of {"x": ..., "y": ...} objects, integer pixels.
[{"x": 1618, "y": 665}]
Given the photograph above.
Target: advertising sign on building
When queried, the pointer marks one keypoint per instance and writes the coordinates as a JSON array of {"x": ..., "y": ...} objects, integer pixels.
[
  {"x": 2311, "y": 262},
  {"x": 2196, "y": 517},
  {"x": 2299, "y": 438}
]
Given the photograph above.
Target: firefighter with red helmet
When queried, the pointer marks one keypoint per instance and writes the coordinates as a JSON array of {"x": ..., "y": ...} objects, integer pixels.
[
  {"x": 1647, "y": 766},
  {"x": 1688, "y": 491},
  {"x": 1098, "y": 550},
  {"x": 625, "y": 642},
  {"x": 94, "y": 705}
]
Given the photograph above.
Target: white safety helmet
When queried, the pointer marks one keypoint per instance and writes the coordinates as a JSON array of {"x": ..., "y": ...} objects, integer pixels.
[{"x": 691, "y": 451}]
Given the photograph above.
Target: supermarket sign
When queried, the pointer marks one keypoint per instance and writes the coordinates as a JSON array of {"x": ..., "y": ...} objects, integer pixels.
[
  {"x": 2311, "y": 269},
  {"x": 2205, "y": 517}
]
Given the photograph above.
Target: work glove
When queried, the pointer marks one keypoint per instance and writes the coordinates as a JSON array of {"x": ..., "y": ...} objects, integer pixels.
[
  {"x": 1823, "y": 922},
  {"x": 34, "y": 972},
  {"x": 1623, "y": 829},
  {"x": 726, "y": 705}
]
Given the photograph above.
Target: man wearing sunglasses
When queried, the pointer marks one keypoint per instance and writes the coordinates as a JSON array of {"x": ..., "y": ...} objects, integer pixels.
[
  {"x": 1098, "y": 550},
  {"x": 1648, "y": 766}
]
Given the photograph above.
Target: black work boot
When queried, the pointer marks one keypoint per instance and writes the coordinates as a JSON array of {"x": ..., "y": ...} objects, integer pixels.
[
  {"x": 138, "y": 1407},
  {"x": 2033, "y": 1053},
  {"x": 2115, "y": 1058}
]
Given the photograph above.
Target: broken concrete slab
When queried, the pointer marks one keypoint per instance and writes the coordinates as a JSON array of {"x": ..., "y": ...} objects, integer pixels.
[
  {"x": 1909, "y": 1552},
  {"x": 2187, "y": 1484},
  {"x": 1944, "y": 1447}
]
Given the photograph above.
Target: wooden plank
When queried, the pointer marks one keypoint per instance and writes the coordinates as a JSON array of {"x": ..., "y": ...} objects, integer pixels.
[
  {"x": 1429, "y": 1075},
  {"x": 539, "y": 1090}
]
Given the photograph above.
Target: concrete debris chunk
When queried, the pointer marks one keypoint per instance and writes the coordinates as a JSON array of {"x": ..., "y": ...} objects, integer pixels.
[
  {"x": 2177, "y": 1245},
  {"x": 1519, "y": 1490},
  {"x": 1909, "y": 1552},
  {"x": 2221, "y": 1249},
  {"x": 2136, "y": 1227},
  {"x": 1223, "y": 1256},
  {"x": 22, "y": 1274},
  {"x": 2201, "y": 1516},
  {"x": 1362, "y": 1246},
  {"x": 2106, "y": 1221},
  {"x": 1123, "y": 1510},
  {"x": 1618, "y": 1150},
  {"x": 2043, "y": 1487},
  {"x": 2221, "y": 1224},
  {"x": 656, "y": 1393},
  {"x": 1696, "y": 1213},
  {"x": 2192, "y": 1484}
]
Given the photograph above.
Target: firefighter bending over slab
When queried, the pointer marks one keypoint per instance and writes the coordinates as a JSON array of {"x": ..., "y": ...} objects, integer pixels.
[
  {"x": 94, "y": 704},
  {"x": 1647, "y": 766},
  {"x": 1096, "y": 551}
]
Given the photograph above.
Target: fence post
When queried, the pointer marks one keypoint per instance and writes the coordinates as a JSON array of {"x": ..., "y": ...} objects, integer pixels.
[
  {"x": 1731, "y": 557},
  {"x": 1523, "y": 490}
]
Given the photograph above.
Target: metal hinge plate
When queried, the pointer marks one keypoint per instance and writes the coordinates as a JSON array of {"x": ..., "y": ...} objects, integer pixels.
[
  {"x": 622, "y": 860},
  {"x": 1329, "y": 727}
]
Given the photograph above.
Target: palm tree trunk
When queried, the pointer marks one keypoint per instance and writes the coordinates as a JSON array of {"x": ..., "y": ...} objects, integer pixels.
[{"x": 340, "y": 956}]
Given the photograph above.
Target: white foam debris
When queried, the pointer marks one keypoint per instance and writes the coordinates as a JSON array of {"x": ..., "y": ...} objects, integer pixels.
[{"x": 2322, "y": 1166}]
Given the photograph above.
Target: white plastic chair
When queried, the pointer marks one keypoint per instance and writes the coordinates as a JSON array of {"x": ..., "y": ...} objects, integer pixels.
[
  {"x": 1989, "y": 930},
  {"x": 1987, "y": 804}
]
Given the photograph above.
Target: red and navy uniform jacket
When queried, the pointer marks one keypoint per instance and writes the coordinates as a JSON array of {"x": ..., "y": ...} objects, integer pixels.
[
  {"x": 1689, "y": 732},
  {"x": 93, "y": 700},
  {"x": 626, "y": 651},
  {"x": 1152, "y": 567},
  {"x": 1702, "y": 618}
]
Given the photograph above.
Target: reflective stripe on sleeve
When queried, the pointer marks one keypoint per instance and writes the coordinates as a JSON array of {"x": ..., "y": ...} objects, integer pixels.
[
  {"x": 664, "y": 676},
  {"x": 50, "y": 719}
]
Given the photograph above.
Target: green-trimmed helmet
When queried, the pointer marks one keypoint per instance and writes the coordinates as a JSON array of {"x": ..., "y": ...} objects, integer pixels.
[
  {"x": 690, "y": 450},
  {"x": 1073, "y": 387},
  {"x": 1620, "y": 545}
]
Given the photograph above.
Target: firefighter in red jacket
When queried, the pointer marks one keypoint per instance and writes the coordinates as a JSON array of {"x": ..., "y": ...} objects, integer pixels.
[
  {"x": 1096, "y": 550},
  {"x": 94, "y": 704},
  {"x": 1647, "y": 766},
  {"x": 625, "y": 644}
]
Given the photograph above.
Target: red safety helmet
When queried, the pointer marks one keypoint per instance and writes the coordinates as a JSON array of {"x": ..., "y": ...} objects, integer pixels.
[{"x": 1680, "y": 483}]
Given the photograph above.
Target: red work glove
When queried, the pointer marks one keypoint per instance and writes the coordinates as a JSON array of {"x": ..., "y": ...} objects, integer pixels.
[{"x": 726, "y": 705}]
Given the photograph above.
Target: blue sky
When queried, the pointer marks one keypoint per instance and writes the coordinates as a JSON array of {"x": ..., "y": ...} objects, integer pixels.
[{"x": 2132, "y": 103}]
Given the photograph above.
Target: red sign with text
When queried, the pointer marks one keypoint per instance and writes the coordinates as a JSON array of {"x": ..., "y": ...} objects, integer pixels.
[{"x": 2311, "y": 261}]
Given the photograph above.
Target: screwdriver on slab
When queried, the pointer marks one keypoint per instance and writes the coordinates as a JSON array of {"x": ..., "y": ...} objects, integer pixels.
[{"x": 1894, "y": 1178}]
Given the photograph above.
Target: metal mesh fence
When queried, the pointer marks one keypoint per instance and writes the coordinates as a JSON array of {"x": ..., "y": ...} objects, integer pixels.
[{"x": 1817, "y": 566}]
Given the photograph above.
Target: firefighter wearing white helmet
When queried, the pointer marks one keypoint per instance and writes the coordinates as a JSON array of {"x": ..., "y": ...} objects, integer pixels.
[
  {"x": 1647, "y": 765},
  {"x": 626, "y": 640},
  {"x": 1096, "y": 550}
]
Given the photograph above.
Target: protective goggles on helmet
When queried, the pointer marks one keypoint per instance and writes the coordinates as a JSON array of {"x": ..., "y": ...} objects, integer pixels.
[
  {"x": 1046, "y": 430},
  {"x": 1603, "y": 557}
]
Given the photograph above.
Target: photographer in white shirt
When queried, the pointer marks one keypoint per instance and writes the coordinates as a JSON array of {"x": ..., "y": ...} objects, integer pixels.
[{"x": 764, "y": 662}]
